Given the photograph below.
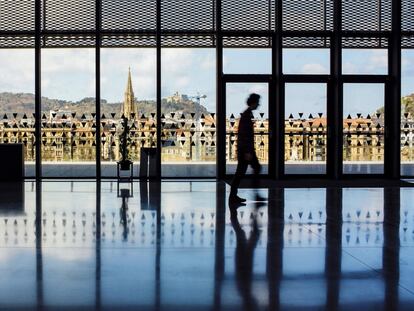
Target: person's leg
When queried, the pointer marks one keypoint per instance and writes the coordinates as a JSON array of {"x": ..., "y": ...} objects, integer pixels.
[
  {"x": 257, "y": 168},
  {"x": 240, "y": 172}
]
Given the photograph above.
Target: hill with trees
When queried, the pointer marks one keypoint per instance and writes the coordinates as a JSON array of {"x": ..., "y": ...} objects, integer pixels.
[{"x": 23, "y": 103}]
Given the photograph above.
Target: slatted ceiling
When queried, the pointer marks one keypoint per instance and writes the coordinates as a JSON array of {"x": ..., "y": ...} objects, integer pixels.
[
  {"x": 386, "y": 15},
  {"x": 246, "y": 14},
  {"x": 187, "y": 15},
  {"x": 187, "y": 41},
  {"x": 407, "y": 15},
  {"x": 246, "y": 42},
  {"x": 68, "y": 41},
  {"x": 69, "y": 15},
  {"x": 129, "y": 41},
  {"x": 129, "y": 14},
  {"x": 361, "y": 42},
  {"x": 407, "y": 42},
  {"x": 17, "y": 15},
  {"x": 366, "y": 15},
  {"x": 122, "y": 16},
  {"x": 9, "y": 42},
  {"x": 307, "y": 15},
  {"x": 308, "y": 42}
]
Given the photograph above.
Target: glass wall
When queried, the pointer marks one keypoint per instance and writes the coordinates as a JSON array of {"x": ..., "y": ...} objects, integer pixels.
[
  {"x": 188, "y": 120},
  {"x": 17, "y": 102},
  {"x": 305, "y": 128},
  {"x": 188, "y": 107},
  {"x": 363, "y": 128},
  {"x": 128, "y": 90},
  {"x": 68, "y": 113},
  {"x": 189, "y": 36}
]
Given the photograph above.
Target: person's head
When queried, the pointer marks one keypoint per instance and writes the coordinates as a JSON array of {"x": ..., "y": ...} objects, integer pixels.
[{"x": 253, "y": 101}]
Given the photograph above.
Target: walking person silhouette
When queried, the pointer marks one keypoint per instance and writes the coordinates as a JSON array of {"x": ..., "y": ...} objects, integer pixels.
[{"x": 246, "y": 154}]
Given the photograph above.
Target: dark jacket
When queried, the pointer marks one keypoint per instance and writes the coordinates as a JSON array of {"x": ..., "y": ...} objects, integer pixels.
[{"x": 245, "y": 136}]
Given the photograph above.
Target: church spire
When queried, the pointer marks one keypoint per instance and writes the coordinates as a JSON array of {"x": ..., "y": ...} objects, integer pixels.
[
  {"x": 129, "y": 99},
  {"x": 129, "y": 83}
]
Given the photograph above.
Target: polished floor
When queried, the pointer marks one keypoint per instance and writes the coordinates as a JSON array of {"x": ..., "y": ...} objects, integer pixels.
[{"x": 177, "y": 245}]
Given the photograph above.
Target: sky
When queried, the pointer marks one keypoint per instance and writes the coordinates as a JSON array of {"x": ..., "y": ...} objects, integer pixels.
[{"x": 69, "y": 74}]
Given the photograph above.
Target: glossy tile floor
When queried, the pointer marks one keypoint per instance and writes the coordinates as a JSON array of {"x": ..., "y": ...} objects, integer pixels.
[{"x": 176, "y": 246}]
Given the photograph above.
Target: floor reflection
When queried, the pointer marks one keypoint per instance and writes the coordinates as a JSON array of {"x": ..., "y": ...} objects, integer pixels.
[
  {"x": 244, "y": 255},
  {"x": 177, "y": 245}
]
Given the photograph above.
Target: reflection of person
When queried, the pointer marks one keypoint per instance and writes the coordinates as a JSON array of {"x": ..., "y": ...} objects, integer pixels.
[
  {"x": 244, "y": 260},
  {"x": 246, "y": 154}
]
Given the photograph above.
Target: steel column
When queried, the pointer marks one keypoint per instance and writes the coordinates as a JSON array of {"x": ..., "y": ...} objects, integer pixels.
[
  {"x": 158, "y": 91},
  {"x": 277, "y": 103},
  {"x": 38, "y": 89},
  {"x": 392, "y": 156},
  {"x": 335, "y": 99},
  {"x": 98, "y": 39},
  {"x": 221, "y": 103}
]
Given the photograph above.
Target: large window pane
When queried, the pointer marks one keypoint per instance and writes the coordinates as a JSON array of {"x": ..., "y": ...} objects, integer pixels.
[
  {"x": 407, "y": 113},
  {"x": 306, "y": 61},
  {"x": 17, "y": 102},
  {"x": 236, "y": 97},
  {"x": 247, "y": 61},
  {"x": 305, "y": 128},
  {"x": 128, "y": 85},
  {"x": 188, "y": 112},
  {"x": 365, "y": 61},
  {"x": 363, "y": 127},
  {"x": 68, "y": 112}
]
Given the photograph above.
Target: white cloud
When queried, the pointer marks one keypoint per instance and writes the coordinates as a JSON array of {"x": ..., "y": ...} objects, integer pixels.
[
  {"x": 45, "y": 83},
  {"x": 407, "y": 63},
  {"x": 176, "y": 61},
  {"x": 349, "y": 67},
  {"x": 208, "y": 62},
  {"x": 17, "y": 70},
  {"x": 91, "y": 87},
  {"x": 378, "y": 60},
  {"x": 115, "y": 63},
  {"x": 70, "y": 73},
  {"x": 258, "y": 88},
  {"x": 225, "y": 61},
  {"x": 68, "y": 61},
  {"x": 314, "y": 68},
  {"x": 182, "y": 81},
  {"x": 365, "y": 61},
  {"x": 144, "y": 87}
]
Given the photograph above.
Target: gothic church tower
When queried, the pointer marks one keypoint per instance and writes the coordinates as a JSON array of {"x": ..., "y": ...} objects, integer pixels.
[{"x": 129, "y": 106}]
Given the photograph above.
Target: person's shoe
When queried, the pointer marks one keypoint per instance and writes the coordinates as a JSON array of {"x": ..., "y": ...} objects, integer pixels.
[
  {"x": 259, "y": 198},
  {"x": 236, "y": 199}
]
